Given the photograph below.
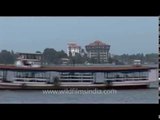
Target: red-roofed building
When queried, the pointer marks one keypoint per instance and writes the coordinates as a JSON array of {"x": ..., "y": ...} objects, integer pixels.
[{"x": 98, "y": 50}]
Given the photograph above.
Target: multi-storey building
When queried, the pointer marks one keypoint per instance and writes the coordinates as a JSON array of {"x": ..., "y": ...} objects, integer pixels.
[{"x": 98, "y": 51}]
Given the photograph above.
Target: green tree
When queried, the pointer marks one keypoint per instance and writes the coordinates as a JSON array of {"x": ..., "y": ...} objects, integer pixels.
[
  {"x": 61, "y": 54},
  {"x": 7, "y": 57},
  {"x": 49, "y": 55},
  {"x": 38, "y": 51}
]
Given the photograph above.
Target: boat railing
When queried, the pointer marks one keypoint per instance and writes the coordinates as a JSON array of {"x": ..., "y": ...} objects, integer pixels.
[
  {"x": 76, "y": 80},
  {"x": 20, "y": 76},
  {"x": 30, "y": 79},
  {"x": 125, "y": 79},
  {"x": 76, "y": 76}
]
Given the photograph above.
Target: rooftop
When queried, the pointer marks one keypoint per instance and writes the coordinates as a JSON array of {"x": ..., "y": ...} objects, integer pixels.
[
  {"x": 97, "y": 43},
  {"x": 73, "y": 45},
  {"x": 74, "y": 68},
  {"x": 20, "y": 53}
]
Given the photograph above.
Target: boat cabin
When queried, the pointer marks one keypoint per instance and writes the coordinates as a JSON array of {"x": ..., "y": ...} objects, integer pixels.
[{"x": 28, "y": 59}]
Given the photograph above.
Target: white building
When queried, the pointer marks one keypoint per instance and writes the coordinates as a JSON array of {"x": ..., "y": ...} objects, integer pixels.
[{"x": 73, "y": 48}]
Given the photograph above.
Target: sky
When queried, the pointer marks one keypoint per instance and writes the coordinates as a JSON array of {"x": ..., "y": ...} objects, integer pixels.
[{"x": 125, "y": 35}]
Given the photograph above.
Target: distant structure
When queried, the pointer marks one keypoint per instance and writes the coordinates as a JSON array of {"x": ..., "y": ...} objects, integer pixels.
[
  {"x": 98, "y": 51},
  {"x": 64, "y": 60},
  {"x": 137, "y": 62},
  {"x": 73, "y": 48},
  {"x": 28, "y": 59}
]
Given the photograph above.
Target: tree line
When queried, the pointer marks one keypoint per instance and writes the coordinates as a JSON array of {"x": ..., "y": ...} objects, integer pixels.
[
  {"x": 151, "y": 58},
  {"x": 7, "y": 57},
  {"x": 51, "y": 56}
]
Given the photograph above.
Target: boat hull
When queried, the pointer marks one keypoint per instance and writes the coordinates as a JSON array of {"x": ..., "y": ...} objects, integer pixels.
[{"x": 67, "y": 86}]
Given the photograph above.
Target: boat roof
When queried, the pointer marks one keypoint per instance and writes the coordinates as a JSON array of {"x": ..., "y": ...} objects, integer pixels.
[
  {"x": 21, "y": 53},
  {"x": 74, "y": 68}
]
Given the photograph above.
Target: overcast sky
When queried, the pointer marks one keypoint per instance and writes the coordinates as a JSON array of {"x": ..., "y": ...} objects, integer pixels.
[{"x": 128, "y": 35}]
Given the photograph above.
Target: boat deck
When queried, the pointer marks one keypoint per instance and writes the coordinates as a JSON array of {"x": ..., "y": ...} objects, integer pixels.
[
  {"x": 73, "y": 68},
  {"x": 71, "y": 85}
]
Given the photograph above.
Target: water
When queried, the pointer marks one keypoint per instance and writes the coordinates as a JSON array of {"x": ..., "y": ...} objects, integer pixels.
[
  {"x": 122, "y": 96},
  {"x": 118, "y": 96}
]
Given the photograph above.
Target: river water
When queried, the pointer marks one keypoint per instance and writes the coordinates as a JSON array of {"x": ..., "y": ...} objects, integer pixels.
[{"x": 74, "y": 96}]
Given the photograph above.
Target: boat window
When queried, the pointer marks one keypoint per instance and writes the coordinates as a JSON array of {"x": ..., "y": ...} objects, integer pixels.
[
  {"x": 76, "y": 76},
  {"x": 131, "y": 74}
]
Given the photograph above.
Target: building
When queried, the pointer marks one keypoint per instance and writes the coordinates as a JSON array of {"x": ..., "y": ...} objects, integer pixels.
[
  {"x": 64, "y": 60},
  {"x": 98, "y": 51},
  {"x": 73, "y": 48},
  {"x": 29, "y": 59}
]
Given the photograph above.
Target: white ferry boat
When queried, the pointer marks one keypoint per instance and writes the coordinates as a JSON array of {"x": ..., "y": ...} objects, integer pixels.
[{"x": 27, "y": 76}]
